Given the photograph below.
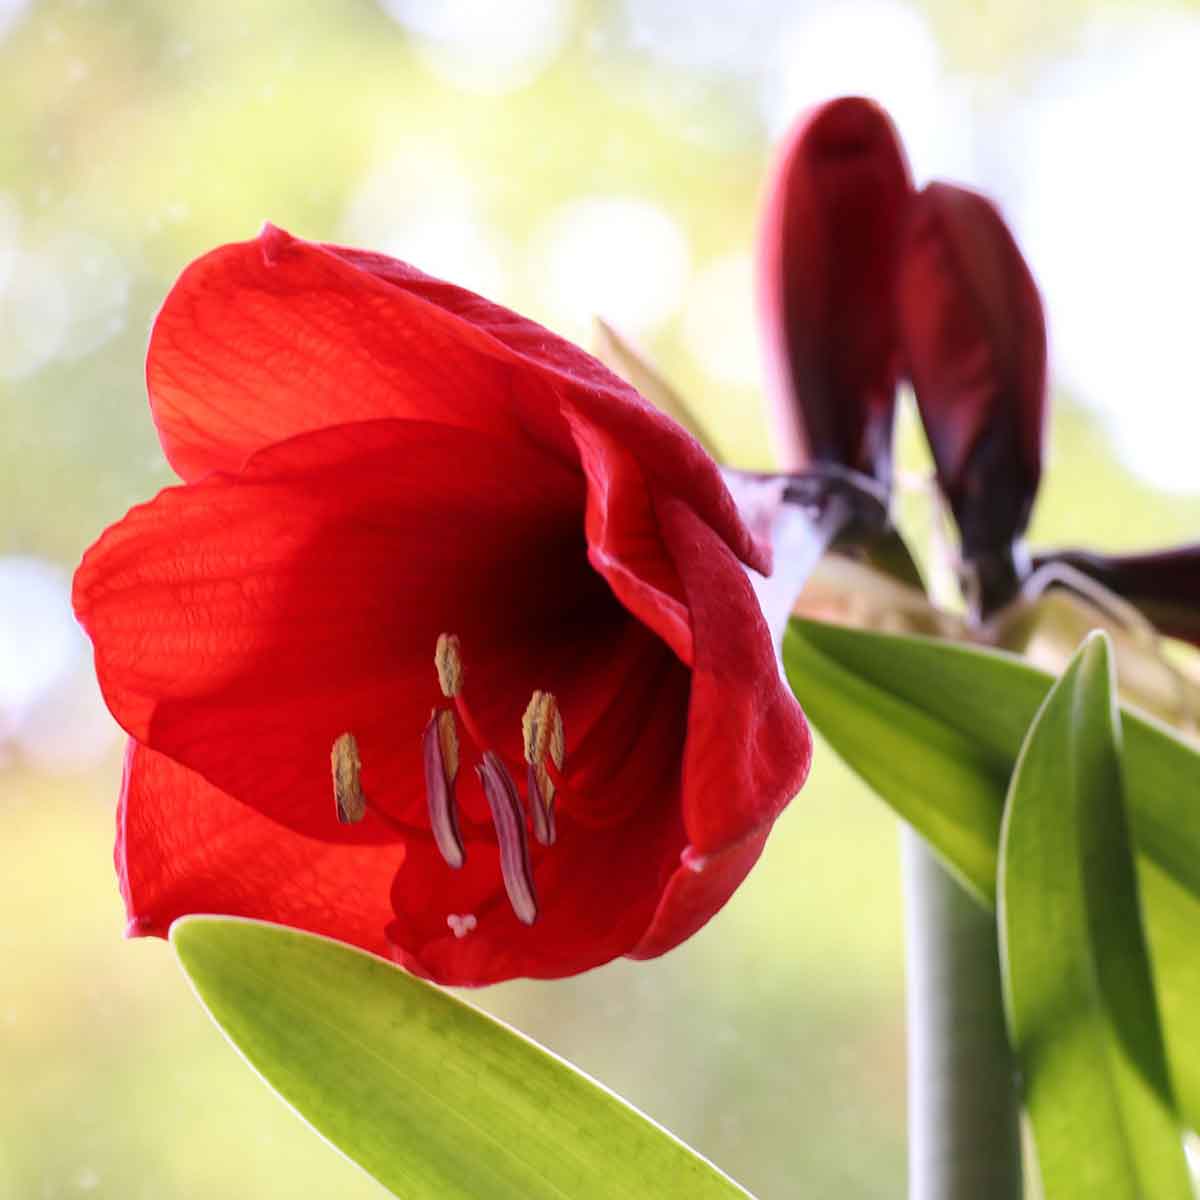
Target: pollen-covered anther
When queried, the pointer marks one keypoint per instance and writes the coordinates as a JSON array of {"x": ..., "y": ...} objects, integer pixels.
[
  {"x": 542, "y": 730},
  {"x": 439, "y": 751},
  {"x": 447, "y": 657},
  {"x": 509, "y": 821},
  {"x": 346, "y": 767}
]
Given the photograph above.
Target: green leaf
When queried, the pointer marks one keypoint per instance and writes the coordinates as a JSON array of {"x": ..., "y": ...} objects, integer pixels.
[
  {"x": 938, "y": 778},
  {"x": 1077, "y": 986},
  {"x": 935, "y": 728},
  {"x": 429, "y": 1095}
]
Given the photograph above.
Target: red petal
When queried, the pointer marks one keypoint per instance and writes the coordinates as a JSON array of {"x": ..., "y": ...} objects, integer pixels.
[
  {"x": 626, "y": 729},
  {"x": 242, "y": 625},
  {"x": 669, "y": 456},
  {"x": 748, "y": 744},
  {"x": 697, "y": 890},
  {"x": 827, "y": 257},
  {"x": 184, "y": 847},
  {"x": 262, "y": 340},
  {"x": 975, "y": 341},
  {"x": 265, "y": 339},
  {"x": 597, "y": 892},
  {"x": 624, "y": 541}
]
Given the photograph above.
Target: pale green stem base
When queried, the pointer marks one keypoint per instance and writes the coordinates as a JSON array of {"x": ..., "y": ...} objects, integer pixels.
[{"x": 963, "y": 1116}]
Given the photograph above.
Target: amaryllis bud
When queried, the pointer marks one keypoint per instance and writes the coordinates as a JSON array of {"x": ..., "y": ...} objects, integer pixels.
[
  {"x": 974, "y": 339},
  {"x": 828, "y": 247},
  {"x": 1163, "y": 584}
]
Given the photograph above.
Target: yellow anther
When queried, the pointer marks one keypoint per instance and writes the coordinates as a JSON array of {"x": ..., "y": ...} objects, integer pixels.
[
  {"x": 448, "y": 742},
  {"x": 542, "y": 728},
  {"x": 448, "y": 660},
  {"x": 347, "y": 786}
]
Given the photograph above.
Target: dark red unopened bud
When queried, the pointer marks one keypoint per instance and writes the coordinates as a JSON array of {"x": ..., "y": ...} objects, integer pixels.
[
  {"x": 1163, "y": 584},
  {"x": 828, "y": 249},
  {"x": 974, "y": 339}
]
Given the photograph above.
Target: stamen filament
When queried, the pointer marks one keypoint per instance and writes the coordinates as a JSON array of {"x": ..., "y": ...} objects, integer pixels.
[
  {"x": 542, "y": 808},
  {"x": 447, "y": 658},
  {"x": 561, "y": 787},
  {"x": 439, "y": 746},
  {"x": 387, "y": 819},
  {"x": 509, "y": 821},
  {"x": 469, "y": 723},
  {"x": 351, "y": 802}
]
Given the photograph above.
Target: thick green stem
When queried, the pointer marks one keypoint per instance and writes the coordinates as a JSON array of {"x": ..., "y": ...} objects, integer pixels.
[{"x": 963, "y": 1123}]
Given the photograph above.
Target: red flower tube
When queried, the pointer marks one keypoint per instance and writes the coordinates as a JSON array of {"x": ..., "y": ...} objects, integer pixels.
[
  {"x": 444, "y": 648},
  {"x": 828, "y": 246}
]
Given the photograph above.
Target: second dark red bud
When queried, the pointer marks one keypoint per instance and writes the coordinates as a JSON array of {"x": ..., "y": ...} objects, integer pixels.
[{"x": 973, "y": 337}]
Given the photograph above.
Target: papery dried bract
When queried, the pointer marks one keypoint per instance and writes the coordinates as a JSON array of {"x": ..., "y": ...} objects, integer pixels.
[{"x": 1163, "y": 584}]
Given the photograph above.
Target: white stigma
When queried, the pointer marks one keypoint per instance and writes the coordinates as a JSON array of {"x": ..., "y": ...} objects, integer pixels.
[{"x": 460, "y": 926}]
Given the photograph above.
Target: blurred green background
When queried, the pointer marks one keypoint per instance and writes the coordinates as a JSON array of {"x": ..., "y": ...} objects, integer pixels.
[{"x": 565, "y": 158}]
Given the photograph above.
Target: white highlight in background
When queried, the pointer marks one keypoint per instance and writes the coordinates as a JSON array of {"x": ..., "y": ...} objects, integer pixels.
[
  {"x": 720, "y": 323},
  {"x": 419, "y": 205},
  {"x": 1107, "y": 217},
  {"x": 51, "y": 712},
  {"x": 482, "y": 45},
  {"x": 620, "y": 258},
  {"x": 59, "y": 298},
  {"x": 886, "y": 51}
]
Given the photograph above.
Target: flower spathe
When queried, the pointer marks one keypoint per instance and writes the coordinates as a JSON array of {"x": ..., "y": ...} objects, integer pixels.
[{"x": 374, "y": 460}]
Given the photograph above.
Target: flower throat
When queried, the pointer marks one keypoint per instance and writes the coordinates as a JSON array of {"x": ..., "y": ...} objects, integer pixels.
[{"x": 544, "y": 750}]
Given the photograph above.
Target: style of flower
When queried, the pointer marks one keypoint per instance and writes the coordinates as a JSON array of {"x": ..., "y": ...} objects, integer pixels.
[{"x": 445, "y": 646}]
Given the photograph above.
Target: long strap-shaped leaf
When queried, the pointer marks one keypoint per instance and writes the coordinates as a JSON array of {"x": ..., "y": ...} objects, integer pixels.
[
  {"x": 1077, "y": 986},
  {"x": 935, "y": 728},
  {"x": 432, "y": 1097}
]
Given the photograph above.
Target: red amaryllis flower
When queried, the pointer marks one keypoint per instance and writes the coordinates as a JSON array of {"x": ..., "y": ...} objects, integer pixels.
[
  {"x": 828, "y": 247},
  {"x": 427, "y": 542}
]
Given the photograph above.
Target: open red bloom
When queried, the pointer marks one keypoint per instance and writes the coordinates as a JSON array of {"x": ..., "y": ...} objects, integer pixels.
[{"x": 379, "y": 465}]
